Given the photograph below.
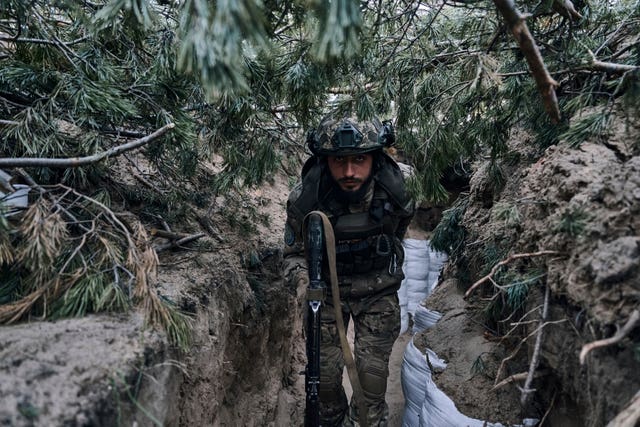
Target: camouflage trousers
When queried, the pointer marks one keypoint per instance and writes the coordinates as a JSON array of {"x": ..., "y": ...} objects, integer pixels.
[{"x": 376, "y": 328}]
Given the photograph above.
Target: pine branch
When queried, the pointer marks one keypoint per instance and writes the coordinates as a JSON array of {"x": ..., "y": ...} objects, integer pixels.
[
  {"x": 82, "y": 161},
  {"x": 546, "y": 84},
  {"x": 610, "y": 67}
]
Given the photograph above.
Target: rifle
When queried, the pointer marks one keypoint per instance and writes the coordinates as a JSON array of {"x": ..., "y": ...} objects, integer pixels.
[
  {"x": 318, "y": 233},
  {"x": 315, "y": 298}
]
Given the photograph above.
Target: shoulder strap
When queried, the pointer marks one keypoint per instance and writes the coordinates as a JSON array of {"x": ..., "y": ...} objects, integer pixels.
[
  {"x": 390, "y": 178},
  {"x": 307, "y": 200}
]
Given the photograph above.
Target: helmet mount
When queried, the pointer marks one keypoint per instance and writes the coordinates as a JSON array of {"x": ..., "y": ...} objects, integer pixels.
[{"x": 348, "y": 137}]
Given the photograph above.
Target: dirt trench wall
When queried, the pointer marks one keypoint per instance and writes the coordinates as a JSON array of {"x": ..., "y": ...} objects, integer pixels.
[
  {"x": 242, "y": 366},
  {"x": 584, "y": 204},
  {"x": 104, "y": 370}
]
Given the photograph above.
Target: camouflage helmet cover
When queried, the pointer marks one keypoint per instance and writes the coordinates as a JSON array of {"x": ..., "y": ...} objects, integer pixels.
[{"x": 348, "y": 136}]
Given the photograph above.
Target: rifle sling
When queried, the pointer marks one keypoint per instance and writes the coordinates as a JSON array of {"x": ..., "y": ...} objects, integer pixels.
[{"x": 330, "y": 247}]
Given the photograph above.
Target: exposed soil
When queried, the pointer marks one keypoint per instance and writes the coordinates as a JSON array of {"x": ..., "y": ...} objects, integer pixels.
[
  {"x": 582, "y": 203},
  {"x": 247, "y": 350}
]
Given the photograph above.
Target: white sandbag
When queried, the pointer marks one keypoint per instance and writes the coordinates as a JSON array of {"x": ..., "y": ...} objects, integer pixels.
[
  {"x": 416, "y": 269},
  {"x": 416, "y": 244},
  {"x": 436, "y": 259},
  {"x": 432, "y": 280},
  {"x": 438, "y": 410},
  {"x": 413, "y": 375},
  {"x": 425, "y": 404},
  {"x": 423, "y": 318},
  {"x": 420, "y": 277}
]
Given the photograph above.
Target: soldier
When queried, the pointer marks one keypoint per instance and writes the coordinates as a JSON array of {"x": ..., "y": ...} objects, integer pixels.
[{"x": 362, "y": 191}]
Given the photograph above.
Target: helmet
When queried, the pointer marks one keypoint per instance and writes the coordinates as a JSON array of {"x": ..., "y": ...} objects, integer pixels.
[{"x": 349, "y": 136}]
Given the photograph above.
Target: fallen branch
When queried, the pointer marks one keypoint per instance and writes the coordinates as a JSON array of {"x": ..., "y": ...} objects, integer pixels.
[
  {"x": 82, "y": 161},
  {"x": 180, "y": 242},
  {"x": 503, "y": 262},
  {"x": 619, "y": 335},
  {"x": 526, "y": 391},
  {"x": 629, "y": 416},
  {"x": 546, "y": 84}
]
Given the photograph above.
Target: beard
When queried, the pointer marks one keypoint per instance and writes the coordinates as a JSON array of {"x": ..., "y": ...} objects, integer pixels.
[{"x": 351, "y": 196}]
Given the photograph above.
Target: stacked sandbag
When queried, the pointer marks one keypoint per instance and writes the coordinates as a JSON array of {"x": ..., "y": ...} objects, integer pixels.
[
  {"x": 423, "y": 319},
  {"x": 421, "y": 268},
  {"x": 414, "y": 374},
  {"x": 425, "y": 404}
]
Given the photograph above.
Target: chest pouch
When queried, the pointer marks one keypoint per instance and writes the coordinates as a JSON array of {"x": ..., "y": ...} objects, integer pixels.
[{"x": 361, "y": 244}]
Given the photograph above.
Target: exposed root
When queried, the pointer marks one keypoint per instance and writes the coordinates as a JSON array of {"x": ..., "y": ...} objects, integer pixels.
[
  {"x": 489, "y": 277},
  {"x": 619, "y": 335},
  {"x": 526, "y": 391},
  {"x": 630, "y": 415},
  {"x": 513, "y": 378}
]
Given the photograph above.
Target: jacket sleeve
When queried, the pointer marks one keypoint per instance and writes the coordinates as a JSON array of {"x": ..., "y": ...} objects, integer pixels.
[
  {"x": 408, "y": 212},
  {"x": 294, "y": 265}
]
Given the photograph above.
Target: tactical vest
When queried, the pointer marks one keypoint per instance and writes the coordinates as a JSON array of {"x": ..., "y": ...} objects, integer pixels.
[{"x": 365, "y": 240}]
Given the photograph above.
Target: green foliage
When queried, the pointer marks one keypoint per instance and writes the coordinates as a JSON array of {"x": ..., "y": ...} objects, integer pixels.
[
  {"x": 478, "y": 367},
  {"x": 492, "y": 254},
  {"x": 507, "y": 213},
  {"x": 449, "y": 234},
  {"x": 593, "y": 125},
  {"x": 572, "y": 222},
  {"x": 241, "y": 80},
  {"x": 512, "y": 295},
  {"x": 517, "y": 289},
  {"x": 69, "y": 255},
  {"x": 338, "y": 29}
]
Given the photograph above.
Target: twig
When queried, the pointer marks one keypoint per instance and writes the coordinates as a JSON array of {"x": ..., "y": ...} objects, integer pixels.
[
  {"x": 612, "y": 68},
  {"x": 566, "y": 9},
  {"x": 179, "y": 242},
  {"x": 41, "y": 41},
  {"x": 146, "y": 182},
  {"x": 526, "y": 391},
  {"x": 524, "y": 340},
  {"x": 167, "y": 234},
  {"x": 81, "y": 161},
  {"x": 546, "y": 84},
  {"x": 619, "y": 335},
  {"x": 503, "y": 262},
  {"x": 553, "y": 400},
  {"x": 630, "y": 414}
]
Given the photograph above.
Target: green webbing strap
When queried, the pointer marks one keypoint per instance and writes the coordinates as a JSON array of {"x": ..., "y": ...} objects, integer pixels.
[{"x": 330, "y": 247}]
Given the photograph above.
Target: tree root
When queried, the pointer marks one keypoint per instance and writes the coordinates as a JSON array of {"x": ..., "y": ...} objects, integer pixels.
[
  {"x": 510, "y": 258},
  {"x": 526, "y": 391},
  {"x": 619, "y": 335},
  {"x": 630, "y": 414}
]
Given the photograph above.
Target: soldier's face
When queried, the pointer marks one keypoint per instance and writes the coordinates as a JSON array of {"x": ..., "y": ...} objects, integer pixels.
[{"x": 350, "y": 172}]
